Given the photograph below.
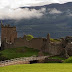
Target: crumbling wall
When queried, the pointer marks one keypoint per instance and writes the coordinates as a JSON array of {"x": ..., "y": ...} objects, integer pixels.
[
  {"x": 8, "y": 46},
  {"x": 21, "y": 42},
  {"x": 69, "y": 49},
  {"x": 54, "y": 49},
  {"x": 36, "y": 43}
]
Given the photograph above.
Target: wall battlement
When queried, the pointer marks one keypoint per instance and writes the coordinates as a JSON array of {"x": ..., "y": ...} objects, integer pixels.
[{"x": 6, "y": 26}]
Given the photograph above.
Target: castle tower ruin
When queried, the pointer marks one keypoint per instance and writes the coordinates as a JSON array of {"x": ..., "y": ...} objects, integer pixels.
[
  {"x": 8, "y": 32},
  {"x": 48, "y": 38}
]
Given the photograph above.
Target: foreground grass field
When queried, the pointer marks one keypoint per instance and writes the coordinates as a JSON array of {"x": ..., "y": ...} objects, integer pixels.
[{"x": 50, "y": 67}]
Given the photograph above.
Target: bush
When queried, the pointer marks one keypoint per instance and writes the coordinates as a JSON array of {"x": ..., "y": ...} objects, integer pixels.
[
  {"x": 29, "y": 37},
  {"x": 0, "y": 54},
  {"x": 2, "y": 58}
]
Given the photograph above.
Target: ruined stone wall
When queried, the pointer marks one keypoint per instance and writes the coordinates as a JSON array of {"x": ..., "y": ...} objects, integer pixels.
[
  {"x": 69, "y": 49},
  {"x": 8, "y": 46},
  {"x": 54, "y": 49},
  {"x": 21, "y": 42},
  {"x": 36, "y": 43}
]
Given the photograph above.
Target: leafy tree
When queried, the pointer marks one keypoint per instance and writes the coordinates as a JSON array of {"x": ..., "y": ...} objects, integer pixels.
[{"x": 29, "y": 37}]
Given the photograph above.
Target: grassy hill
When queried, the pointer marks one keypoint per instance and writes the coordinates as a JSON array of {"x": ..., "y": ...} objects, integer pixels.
[
  {"x": 19, "y": 52},
  {"x": 12, "y": 53},
  {"x": 53, "y": 67}
]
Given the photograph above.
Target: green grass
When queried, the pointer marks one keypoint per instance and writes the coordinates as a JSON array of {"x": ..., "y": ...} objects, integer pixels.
[
  {"x": 57, "y": 57},
  {"x": 19, "y": 52},
  {"x": 54, "y": 40},
  {"x": 53, "y": 67},
  {"x": 69, "y": 60}
]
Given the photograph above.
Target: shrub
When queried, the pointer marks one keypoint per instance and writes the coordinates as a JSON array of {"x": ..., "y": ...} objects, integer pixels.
[
  {"x": 2, "y": 58},
  {"x": 29, "y": 37}
]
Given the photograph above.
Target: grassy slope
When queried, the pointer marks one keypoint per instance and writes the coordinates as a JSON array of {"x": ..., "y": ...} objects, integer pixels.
[
  {"x": 19, "y": 52},
  {"x": 69, "y": 60},
  {"x": 23, "y": 52},
  {"x": 38, "y": 68},
  {"x": 57, "y": 57}
]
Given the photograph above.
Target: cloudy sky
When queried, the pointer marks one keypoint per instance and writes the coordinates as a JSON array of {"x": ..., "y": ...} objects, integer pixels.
[{"x": 10, "y": 9}]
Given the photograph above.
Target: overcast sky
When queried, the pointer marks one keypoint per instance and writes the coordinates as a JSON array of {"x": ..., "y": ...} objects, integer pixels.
[{"x": 10, "y": 9}]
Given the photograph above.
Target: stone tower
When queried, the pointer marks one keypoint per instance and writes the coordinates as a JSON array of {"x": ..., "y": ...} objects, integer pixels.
[
  {"x": 8, "y": 32},
  {"x": 48, "y": 44},
  {"x": 48, "y": 38}
]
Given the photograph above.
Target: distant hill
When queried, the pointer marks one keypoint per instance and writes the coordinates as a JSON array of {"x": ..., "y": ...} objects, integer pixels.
[{"x": 57, "y": 20}]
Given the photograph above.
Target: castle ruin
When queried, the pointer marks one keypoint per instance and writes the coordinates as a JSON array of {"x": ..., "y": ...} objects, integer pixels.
[{"x": 9, "y": 39}]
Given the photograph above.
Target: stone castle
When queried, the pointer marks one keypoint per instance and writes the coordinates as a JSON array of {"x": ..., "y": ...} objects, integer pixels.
[{"x": 9, "y": 39}]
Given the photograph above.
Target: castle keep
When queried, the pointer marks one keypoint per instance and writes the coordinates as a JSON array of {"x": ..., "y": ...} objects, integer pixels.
[
  {"x": 8, "y": 32},
  {"x": 9, "y": 39}
]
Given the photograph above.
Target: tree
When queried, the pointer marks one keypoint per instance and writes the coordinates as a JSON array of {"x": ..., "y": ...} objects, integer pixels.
[{"x": 29, "y": 37}]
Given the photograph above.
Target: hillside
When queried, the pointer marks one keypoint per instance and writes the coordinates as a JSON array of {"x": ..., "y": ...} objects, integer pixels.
[{"x": 18, "y": 52}]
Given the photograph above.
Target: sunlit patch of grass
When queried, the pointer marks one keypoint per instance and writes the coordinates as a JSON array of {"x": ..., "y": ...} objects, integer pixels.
[{"x": 47, "y": 67}]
